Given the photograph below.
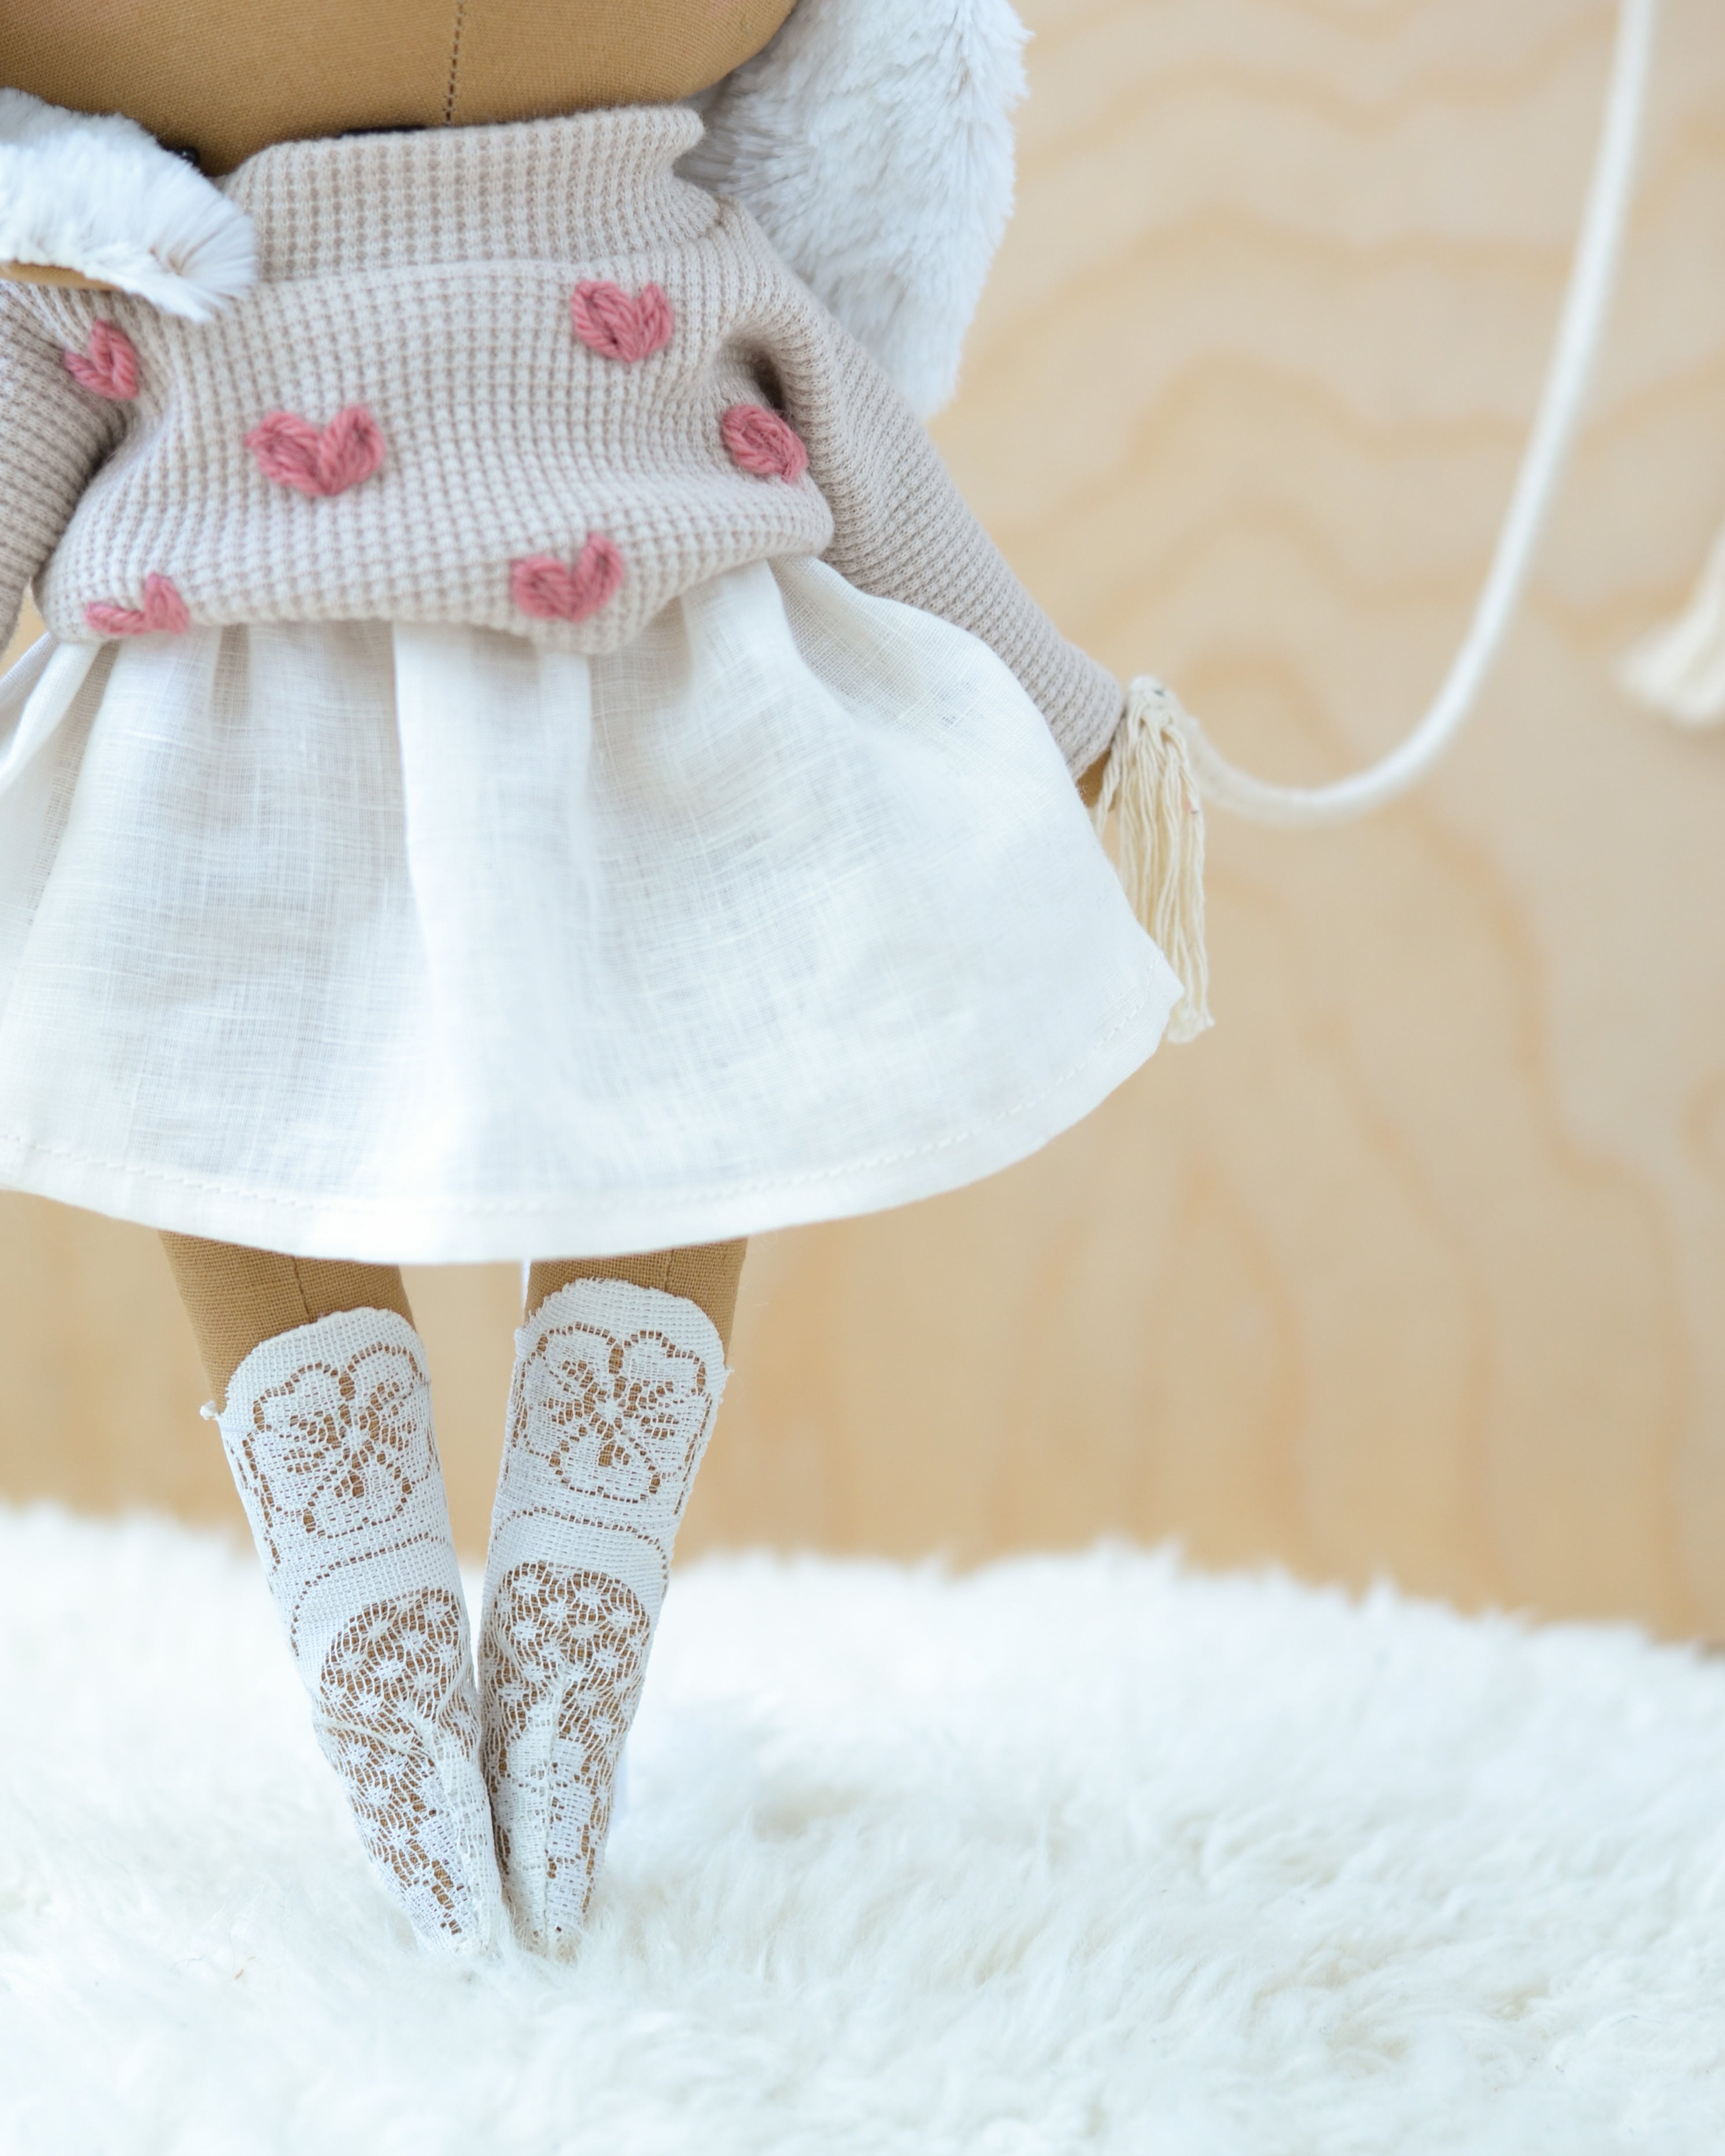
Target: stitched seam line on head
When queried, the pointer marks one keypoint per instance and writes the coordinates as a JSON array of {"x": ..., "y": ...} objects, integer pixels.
[{"x": 455, "y": 63}]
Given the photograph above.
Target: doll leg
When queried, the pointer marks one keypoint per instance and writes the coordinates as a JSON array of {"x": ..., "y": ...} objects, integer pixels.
[
  {"x": 706, "y": 1273},
  {"x": 326, "y": 1419},
  {"x": 619, "y": 1370}
]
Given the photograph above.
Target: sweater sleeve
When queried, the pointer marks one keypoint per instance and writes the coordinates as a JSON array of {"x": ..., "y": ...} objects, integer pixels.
[
  {"x": 53, "y": 433},
  {"x": 902, "y": 530}
]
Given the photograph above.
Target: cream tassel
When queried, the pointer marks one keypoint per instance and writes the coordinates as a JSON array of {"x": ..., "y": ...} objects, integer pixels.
[
  {"x": 1148, "y": 780},
  {"x": 1680, "y": 669}
]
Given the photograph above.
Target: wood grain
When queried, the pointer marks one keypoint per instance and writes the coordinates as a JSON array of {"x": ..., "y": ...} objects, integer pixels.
[{"x": 1416, "y": 1265}]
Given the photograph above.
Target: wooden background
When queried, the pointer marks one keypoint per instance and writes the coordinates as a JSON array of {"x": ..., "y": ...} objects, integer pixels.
[{"x": 1417, "y": 1264}]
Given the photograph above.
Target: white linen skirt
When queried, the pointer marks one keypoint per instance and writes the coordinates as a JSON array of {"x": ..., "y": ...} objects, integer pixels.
[{"x": 426, "y": 944}]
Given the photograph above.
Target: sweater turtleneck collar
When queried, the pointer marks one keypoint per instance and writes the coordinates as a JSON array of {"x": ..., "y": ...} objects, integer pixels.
[{"x": 572, "y": 189}]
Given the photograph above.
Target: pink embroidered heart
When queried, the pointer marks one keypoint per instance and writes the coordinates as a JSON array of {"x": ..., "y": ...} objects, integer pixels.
[
  {"x": 163, "y": 612},
  {"x": 551, "y": 590},
  {"x": 610, "y": 323},
  {"x": 108, "y": 365},
  {"x": 318, "y": 460},
  {"x": 761, "y": 442}
]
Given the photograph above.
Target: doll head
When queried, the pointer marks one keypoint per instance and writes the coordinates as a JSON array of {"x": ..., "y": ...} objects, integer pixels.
[{"x": 221, "y": 79}]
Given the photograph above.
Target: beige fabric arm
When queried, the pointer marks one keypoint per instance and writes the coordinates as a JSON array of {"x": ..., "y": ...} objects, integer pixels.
[
  {"x": 903, "y": 531},
  {"x": 53, "y": 434}
]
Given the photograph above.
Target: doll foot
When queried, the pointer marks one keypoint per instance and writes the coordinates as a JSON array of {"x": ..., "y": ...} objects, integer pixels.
[
  {"x": 328, "y": 1431},
  {"x": 616, "y": 1388}
]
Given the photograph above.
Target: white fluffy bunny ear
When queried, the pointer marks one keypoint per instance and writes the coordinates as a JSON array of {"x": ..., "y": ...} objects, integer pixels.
[
  {"x": 872, "y": 141},
  {"x": 94, "y": 193}
]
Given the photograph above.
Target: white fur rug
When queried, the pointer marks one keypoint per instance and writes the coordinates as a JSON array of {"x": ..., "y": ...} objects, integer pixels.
[{"x": 1077, "y": 1853}]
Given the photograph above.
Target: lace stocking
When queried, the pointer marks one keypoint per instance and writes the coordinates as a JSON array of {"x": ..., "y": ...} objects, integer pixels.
[
  {"x": 615, "y": 1390},
  {"x": 328, "y": 1431}
]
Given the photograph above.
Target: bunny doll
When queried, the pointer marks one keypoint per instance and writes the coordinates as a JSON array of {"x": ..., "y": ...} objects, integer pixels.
[{"x": 531, "y": 756}]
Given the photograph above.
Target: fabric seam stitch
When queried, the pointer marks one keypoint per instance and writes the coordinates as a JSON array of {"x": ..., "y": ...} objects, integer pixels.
[
  {"x": 455, "y": 63},
  {"x": 450, "y": 1209}
]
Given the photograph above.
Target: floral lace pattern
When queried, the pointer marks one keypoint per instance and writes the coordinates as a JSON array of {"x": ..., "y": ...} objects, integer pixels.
[
  {"x": 616, "y": 1388},
  {"x": 394, "y": 1673},
  {"x": 565, "y": 1653},
  {"x": 347, "y": 1443},
  {"x": 614, "y": 1417},
  {"x": 328, "y": 1429}
]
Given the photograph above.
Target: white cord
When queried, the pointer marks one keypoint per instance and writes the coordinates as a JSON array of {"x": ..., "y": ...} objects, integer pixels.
[{"x": 1578, "y": 341}]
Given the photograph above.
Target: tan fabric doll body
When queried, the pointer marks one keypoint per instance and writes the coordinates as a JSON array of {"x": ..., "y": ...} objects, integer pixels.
[{"x": 531, "y": 756}]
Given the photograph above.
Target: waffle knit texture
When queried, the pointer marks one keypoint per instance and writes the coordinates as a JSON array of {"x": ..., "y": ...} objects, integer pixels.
[{"x": 430, "y": 279}]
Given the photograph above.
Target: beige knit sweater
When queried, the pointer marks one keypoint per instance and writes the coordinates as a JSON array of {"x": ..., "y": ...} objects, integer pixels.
[{"x": 574, "y": 386}]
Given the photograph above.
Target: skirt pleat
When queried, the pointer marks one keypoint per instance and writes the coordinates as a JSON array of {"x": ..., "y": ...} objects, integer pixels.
[{"x": 423, "y": 944}]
